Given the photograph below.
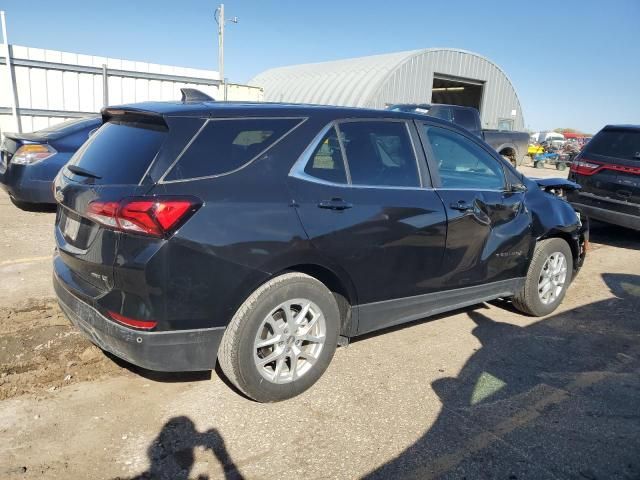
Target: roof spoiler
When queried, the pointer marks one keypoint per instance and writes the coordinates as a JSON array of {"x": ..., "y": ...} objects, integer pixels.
[
  {"x": 127, "y": 114},
  {"x": 194, "y": 95}
]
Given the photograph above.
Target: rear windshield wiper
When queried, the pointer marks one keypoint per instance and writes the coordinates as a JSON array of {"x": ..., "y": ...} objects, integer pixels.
[{"x": 82, "y": 171}]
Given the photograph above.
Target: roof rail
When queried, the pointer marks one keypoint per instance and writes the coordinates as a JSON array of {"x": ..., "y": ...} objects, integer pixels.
[{"x": 194, "y": 95}]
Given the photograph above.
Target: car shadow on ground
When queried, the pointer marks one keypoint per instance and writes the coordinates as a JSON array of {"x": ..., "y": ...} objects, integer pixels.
[
  {"x": 605, "y": 234},
  {"x": 172, "y": 453},
  {"x": 556, "y": 399}
]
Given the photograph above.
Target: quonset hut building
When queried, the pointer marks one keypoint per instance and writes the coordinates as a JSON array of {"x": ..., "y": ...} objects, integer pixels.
[{"x": 433, "y": 75}]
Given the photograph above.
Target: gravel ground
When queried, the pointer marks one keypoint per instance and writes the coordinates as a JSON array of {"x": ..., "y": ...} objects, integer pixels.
[{"x": 478, "y": 393}]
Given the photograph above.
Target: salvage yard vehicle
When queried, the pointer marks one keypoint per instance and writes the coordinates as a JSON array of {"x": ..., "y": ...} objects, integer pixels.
[
  {"x": 512, "y": 146},
  {"x": 608, "y": 169},
  {"x": 263, "y": 235},
  {"x": 30, "y": 161}
]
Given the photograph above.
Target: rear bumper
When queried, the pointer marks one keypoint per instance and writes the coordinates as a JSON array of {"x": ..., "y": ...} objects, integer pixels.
[
  {"x": 175, "y": 351},
  {"x": 608, "y": 212},
  {"x": 24, "y": 183}
]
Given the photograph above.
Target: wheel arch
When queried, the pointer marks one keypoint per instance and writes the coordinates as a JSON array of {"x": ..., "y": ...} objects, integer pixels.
[
  {"x": 572, "y": 241},
  {"x": 339, "y": 284},
  {"x": 508, "y": 150}
]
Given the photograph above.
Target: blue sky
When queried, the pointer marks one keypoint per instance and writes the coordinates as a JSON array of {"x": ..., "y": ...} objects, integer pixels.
[{"x": 574, "y": 63}]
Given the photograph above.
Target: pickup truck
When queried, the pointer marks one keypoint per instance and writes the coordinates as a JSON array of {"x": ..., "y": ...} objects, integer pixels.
[{"x": 511, "y": 145}]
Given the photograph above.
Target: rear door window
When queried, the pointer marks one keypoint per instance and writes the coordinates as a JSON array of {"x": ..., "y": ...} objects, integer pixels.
[
  {"x": 224, "y": 145},
  {"x": 621, "y": 143},
  {"x": 379, "y": 153},
  {"x": 120, "y": 153}
]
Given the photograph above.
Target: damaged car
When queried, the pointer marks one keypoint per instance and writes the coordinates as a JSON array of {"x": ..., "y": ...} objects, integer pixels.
[{"x": 261, "y": 236}]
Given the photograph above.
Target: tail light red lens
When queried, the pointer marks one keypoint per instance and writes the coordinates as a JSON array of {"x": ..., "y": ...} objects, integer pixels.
[
  {"x": 589, "y": 167},
  {"x": 131, "y": 322},
  {"x": 584, "y": 167},
  {"x": 157, "y": 217}
]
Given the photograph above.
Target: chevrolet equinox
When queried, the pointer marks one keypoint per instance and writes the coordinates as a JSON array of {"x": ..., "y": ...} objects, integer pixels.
[{"x": 263, "y": 235}]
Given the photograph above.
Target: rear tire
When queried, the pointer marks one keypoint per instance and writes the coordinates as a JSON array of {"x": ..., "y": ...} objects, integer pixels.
[
  {"x": 548, "y": 278},
  {"x": 300, "y": 344},
  {"x": 511, "y": 160}
]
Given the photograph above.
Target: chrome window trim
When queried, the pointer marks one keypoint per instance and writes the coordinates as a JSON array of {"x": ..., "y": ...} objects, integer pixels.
[
  {"x": 297, "y": 170},
  {"x": 254, "y": 158}
]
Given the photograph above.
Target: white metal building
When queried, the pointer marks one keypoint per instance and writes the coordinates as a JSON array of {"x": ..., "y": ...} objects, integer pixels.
[
  {"x": 48, "y": 86},
  {"x": 434, "y": 75}
]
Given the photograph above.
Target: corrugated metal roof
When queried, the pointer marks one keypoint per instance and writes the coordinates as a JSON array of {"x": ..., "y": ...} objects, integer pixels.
[
  {"x": 402, "y": 77},
  {"x": 341, "y": 82}
]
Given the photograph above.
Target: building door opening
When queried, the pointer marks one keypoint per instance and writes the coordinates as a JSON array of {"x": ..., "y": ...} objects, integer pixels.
[{"x": 456, "y": 91}]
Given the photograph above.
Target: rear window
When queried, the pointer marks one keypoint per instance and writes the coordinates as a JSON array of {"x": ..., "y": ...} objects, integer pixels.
[
  {"x": 71, "y": 125},
  {"x": 623, "y": 144},
  {"x": 120, "y": 153},
  {"x": 223, "y": 146},
  {"x": 466, "y": 119}
]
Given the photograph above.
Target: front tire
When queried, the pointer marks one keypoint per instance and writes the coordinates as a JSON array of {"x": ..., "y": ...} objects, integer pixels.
[
  {"x": 548, "y": 278},
  {"x": 281, "y": 339}
]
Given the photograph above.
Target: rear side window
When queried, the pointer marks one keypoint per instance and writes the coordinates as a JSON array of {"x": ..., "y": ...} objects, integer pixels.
[
  {"x": 379, "y": 153},
  {"x": 623, "y": 144},
  {"x": 441, "y": 112},
  {"x": 223, "y": 146},
  {"x": 120, "y": 153},
  {"x": 326, "y": 162},
  {"x": 466, "y": 119}
]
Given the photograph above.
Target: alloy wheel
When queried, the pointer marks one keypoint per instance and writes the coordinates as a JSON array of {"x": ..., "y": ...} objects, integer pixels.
[
  {"x": 552, "y": 278},
  {"x": 289, "y": 341}
]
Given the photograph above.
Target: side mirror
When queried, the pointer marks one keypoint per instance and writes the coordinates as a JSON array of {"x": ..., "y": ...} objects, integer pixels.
[{"x": 518, "y": 187}]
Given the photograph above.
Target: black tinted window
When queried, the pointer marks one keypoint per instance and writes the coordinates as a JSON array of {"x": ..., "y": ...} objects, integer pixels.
[
  {"x": 462, "y": 163},
  {"x": 440, "y": 112},
  {"x": 615, "y": 143},
  {"x": 466, "y": 119},
  {"x": 326, "y": 162},
  {"x": 379, "y": 153},
  {"x": 120, "y": 153},
  {"x": 71, "y": 125},
  {"x": 225, "y": 145}
]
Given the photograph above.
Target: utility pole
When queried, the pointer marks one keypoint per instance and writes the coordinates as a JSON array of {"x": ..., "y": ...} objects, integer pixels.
[
  {"x": 219, "y": 17},
  {"x": 10, "y": 76}
]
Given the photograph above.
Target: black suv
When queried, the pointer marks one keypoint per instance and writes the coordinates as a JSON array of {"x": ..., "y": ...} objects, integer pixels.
[
  {"x": 608, "y": 169},
  {"x": 262, "y": 235}
]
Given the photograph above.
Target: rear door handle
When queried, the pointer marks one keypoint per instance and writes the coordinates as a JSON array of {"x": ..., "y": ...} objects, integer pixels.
[
  {"x": 462, "y": 206},
  {"x": 335, "y": 204}
]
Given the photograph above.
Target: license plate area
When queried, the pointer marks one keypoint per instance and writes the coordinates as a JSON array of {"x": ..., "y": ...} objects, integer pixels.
[{"x": 70, "y": 228}]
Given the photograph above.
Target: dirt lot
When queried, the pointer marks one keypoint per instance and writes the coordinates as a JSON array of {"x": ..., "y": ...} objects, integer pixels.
[{"x": 480, "y": 393}]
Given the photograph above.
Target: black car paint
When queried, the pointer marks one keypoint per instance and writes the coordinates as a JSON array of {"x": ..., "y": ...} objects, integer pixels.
[
  {"x": 611, "y": 196},
  {"x": 33, "y": 183},
  {"x": 395, "y": 245}
]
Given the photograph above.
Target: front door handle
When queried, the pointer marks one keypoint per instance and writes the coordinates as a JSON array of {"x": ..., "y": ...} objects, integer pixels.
[
  {"x": 462, "y": 206},
  {"x": 335, "y": 204}
]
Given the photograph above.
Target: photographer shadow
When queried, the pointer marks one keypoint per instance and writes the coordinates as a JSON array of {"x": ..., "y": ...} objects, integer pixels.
[{"x": 172, "y": 453}]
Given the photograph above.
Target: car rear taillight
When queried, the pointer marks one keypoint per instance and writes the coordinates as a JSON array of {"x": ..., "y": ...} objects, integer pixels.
[
  {"x": 157, "y": 216},
  {"x": 32, "y": 153},
  {"x": 584, "y": 167},
  {"x": 132, "y": 322},
  {"x": 589, "y": 167}
]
